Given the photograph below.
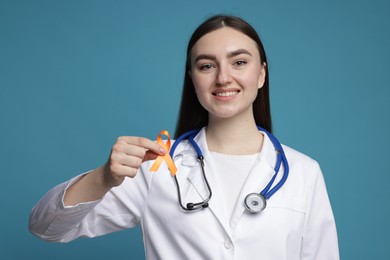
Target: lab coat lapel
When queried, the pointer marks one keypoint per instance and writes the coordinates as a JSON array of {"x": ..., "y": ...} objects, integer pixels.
[
  {"x": 215, "y": 203},
  {"x": 257, "y": 179}
]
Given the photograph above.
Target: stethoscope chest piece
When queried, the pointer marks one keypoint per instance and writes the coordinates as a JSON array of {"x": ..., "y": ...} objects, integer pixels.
[{"x": 255, "y": 202}]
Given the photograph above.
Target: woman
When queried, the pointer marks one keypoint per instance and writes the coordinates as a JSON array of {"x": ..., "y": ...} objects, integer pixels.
[{"x": 225, "y": 94}]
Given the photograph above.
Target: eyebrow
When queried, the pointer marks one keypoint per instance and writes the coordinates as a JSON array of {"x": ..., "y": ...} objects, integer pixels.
[{"x": 230, "y": 55}]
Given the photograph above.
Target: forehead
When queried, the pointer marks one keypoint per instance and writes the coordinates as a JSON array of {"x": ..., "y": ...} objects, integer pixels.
[{"x": 225, "y": 39}]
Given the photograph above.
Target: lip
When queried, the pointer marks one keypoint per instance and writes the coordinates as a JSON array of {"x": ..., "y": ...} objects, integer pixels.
[{"x": 225, "y": 93}]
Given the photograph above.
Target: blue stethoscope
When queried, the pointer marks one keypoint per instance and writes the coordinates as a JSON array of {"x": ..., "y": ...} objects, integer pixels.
[{"x": 254, "y": 202}]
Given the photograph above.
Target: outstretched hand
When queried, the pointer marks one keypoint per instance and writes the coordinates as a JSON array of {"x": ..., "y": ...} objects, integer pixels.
[{"x": 127, "y": 155}]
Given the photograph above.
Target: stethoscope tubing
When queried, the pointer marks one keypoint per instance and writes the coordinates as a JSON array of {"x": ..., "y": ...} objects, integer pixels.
[
  {"x": 281, "y": 158},
  {"x": 193, "y": 133},
  {"x": 264, "y": 195},
  {"x": 190, "y": 135}
]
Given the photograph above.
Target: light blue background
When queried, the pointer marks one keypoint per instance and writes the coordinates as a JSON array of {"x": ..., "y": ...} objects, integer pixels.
[{"x": 75, "y": 75}]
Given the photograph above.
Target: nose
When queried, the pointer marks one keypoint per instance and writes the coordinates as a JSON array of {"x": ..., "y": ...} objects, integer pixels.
[{"x": 224, "y": 77}]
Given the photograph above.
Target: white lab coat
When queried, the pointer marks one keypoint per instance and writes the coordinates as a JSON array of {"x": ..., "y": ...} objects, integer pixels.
[{"x": 298, "y": 222}]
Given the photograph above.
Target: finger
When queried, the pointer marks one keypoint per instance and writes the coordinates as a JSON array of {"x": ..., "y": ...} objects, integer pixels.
[
  {"x": 122, "y": 170},
  {"x": 144, "y": 143},
  {"x": 150, "y": 156},
  {"x": 151, "y": 146},
  {"x": 121, "y": 148},
  {"x": 130, "y": 161}
]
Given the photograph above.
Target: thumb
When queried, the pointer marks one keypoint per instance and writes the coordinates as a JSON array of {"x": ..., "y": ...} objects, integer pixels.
[{"x": 150, "y": 155}]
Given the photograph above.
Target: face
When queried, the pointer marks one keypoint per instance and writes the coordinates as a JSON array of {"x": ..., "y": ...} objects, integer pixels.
[{"x": 226, "y": 72}]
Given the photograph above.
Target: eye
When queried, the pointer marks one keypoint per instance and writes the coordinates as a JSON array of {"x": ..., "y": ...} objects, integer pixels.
[
  {"x": 206, "y": 67},
  {"x": 240, "y": 63}
]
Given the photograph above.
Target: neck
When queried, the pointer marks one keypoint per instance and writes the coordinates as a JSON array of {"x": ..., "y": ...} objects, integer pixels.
[{"x": 234, "y": 137}]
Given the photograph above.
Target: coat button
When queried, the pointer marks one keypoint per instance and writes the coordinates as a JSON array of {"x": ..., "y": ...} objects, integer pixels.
[{"x": 228, "y": 244}]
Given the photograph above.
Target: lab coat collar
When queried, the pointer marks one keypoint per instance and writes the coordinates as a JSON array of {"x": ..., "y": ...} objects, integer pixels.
[
  {"x": 267, "y": 152},
  {"x": 257, "y": 179},
  {"x": 215, "y": 204}
]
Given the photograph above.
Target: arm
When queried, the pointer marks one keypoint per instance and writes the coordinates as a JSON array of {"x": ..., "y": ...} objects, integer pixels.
[
  {"x": 320, "y": 235},
  {"x": 126, "y": 157},
  {"x": 70, "y": 209}
]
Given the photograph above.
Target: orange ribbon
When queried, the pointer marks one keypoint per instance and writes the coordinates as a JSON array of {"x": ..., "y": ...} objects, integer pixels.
[{"x": 166, "y": 157}]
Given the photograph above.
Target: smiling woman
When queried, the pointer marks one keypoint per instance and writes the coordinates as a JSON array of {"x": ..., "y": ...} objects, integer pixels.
[
  {"x": 227, "y": 72},
  {"x": 225, "y": 98},
  {"x": 192, "y": 113}
]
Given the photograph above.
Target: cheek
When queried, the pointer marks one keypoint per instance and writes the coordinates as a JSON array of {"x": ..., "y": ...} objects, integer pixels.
[
  {"x": 200, "y": 90},
  {"x": 253, "y": 78},
  {"x": 195, "y": 82},
  {"x": 199, "y": 83}
]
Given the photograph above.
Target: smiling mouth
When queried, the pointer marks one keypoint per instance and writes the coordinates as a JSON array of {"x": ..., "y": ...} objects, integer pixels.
[{"x": 226, "y": 94}]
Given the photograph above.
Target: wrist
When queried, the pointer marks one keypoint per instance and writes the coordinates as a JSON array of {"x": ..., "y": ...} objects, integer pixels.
[{"x": 108, "y": 180}]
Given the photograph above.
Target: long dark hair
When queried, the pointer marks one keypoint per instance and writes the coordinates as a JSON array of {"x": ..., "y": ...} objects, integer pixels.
[{"x": 192, "y": 114}]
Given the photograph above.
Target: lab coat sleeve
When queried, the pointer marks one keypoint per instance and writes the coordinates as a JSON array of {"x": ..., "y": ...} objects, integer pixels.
[
  {"x": 120, "y": 208},
  {"x": 320, "y": 236},
  {"x": 51, "y": 220}
]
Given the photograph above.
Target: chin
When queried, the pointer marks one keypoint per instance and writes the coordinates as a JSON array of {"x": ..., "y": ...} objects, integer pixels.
[{"x": 224, "y": 115}]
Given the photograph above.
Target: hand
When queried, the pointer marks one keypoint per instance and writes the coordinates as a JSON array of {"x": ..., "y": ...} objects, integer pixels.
[{"x": 127, "y": 155}]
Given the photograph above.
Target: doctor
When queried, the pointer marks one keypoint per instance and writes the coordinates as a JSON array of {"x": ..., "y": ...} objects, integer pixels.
[{"x": 225, "y": 93}]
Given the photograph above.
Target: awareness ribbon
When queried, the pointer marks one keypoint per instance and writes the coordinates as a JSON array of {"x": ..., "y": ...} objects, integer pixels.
[{"x": 166, "y": 157}]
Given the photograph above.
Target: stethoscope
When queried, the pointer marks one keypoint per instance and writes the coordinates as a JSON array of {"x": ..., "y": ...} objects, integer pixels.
[{"x": 254, "y": 202}]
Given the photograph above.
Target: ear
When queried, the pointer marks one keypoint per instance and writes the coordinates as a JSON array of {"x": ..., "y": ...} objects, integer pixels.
[{"x": 263, "y": 73}]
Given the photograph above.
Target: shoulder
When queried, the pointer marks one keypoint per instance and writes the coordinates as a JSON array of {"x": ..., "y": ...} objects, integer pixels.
[
  {"x": 301, "y": 164},
  {"x": 177, "y": 148},
  {"x": 305, "y": 177},
  {"x": 298, "y": 157}
]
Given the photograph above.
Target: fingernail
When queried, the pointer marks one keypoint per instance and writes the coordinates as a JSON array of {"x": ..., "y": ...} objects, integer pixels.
[{"x": 162, "y": 151}]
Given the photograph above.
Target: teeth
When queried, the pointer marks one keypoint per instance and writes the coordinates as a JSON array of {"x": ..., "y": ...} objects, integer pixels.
[{"x": 226, "y": 94}]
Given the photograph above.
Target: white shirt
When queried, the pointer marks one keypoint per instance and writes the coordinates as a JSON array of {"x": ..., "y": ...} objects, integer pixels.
[
  {"x": 231, "y": 173},
  {"x": 297, "y": 224}
]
